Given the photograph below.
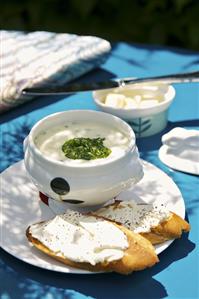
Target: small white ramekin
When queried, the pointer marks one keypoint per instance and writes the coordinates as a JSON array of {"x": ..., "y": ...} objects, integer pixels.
[
  {"x": 145, "y": 121},
  {"x": 82, "y": 185}
]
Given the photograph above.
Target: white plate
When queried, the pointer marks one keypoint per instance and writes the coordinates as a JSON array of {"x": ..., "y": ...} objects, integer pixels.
[
  {"x": 178, "y": 163},
  {"x": 21, "y": 207}
]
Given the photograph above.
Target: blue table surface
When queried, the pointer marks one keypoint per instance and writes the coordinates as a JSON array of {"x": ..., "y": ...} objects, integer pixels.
[{"x": 177, "y": 273}]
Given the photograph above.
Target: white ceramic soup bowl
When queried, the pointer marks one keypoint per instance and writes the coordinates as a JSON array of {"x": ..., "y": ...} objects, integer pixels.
[
  {"x": 146, "y": 120},
  {"x": 83, "y": 184}
]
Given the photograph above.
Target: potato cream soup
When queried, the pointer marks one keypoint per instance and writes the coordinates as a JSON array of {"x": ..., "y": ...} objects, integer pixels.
[{"x": 85, "y": 143}]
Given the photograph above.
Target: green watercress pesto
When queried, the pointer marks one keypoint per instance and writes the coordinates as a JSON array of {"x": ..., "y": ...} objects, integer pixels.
[{"x": 85, "y": 148}]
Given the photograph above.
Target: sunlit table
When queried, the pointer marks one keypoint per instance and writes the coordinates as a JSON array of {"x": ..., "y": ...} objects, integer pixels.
[{"x": 177, "y": 273}]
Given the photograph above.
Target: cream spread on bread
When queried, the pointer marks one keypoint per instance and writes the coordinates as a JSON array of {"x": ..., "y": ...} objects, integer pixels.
[
  {"x": 139, "y": 218},
  {"x": 81, "y": 238}
]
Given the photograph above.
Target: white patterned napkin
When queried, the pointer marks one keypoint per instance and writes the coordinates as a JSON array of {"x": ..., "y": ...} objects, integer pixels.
[{"x": 38, "y": 58}]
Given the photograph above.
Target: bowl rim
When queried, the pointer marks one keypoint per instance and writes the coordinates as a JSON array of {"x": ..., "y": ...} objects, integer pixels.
[
  {"x": 40, "y": 156},
  {"x": 169, "y": 96}
]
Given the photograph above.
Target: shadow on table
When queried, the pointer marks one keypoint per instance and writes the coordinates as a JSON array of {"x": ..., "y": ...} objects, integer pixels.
[
  {"x": 12, "y": 142},
  {"x": 32, "y": 282}
]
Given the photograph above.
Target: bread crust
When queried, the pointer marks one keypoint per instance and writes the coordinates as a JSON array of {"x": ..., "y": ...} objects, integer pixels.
[
  {"x": 171, "y": 228},
  {"x": 139, "y": 255}
]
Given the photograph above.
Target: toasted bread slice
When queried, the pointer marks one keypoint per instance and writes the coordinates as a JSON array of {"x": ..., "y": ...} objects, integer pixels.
[
  {"x": 171, "y": 228},
  {"x": 167, "y": 226},
  {"x": 140, "y": 253}
]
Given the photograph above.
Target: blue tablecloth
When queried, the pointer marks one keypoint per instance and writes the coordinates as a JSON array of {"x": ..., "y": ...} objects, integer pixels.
[{"x": 176, "y": 276}]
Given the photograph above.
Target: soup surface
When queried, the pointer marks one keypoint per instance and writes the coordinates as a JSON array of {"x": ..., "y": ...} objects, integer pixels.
[{"x": 50, "y": 142}]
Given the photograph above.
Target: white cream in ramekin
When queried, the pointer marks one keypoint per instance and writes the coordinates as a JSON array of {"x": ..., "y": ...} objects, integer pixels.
[
  {"x": 143, "y": 106},
  {"x": 80, "y": 182}
]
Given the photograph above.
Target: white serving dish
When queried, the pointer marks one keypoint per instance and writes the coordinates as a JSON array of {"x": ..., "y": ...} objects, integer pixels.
[
  {"x": 145, "y": 121},
  {"x": 87, "y": 185}
]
